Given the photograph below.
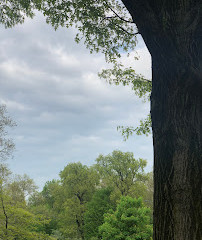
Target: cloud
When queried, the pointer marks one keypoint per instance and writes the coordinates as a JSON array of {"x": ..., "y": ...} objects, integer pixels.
[{"x": 63, "y": 110}]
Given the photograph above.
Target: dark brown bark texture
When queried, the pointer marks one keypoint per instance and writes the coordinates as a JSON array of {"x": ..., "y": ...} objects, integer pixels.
[{"x": 172, "y": 31}]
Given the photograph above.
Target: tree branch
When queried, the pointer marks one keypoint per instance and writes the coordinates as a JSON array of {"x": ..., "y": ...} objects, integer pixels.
[
  {"x": 124, "y": 30},
  {"x": 117, "y": 14}
]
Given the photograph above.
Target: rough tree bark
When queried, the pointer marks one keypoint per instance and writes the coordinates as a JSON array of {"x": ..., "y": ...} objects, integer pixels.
[{"x": 172, "y": 31}]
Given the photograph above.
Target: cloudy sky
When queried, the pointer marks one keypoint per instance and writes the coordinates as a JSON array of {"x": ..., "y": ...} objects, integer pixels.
[{"x": 64, "y": 112}]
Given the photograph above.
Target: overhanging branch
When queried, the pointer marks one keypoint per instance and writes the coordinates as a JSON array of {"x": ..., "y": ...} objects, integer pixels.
[{"x": 116, "y": 14}]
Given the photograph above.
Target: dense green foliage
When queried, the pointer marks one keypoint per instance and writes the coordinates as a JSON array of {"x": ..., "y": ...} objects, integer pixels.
[
  {"x": 78, "y": 184},
  {"x": 130, "y": 221},
  {"x": 16, "y": 221},
  {"x": 78, "y": 201},
  {"x": 96, "y": 208},
  {"x": 122, "y": 172}
]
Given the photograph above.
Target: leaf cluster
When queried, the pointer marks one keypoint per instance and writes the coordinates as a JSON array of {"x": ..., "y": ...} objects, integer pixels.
[
  {"x": 143, "y": 128},
  {"x": 105, "y": 25},
  {"x": 128, "y": 77},
  {"x": 130, "y": 221},
  {"x": 13, "y": 12}
]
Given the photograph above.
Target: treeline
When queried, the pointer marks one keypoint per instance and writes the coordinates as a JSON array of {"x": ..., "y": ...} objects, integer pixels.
[{"x": 109, "y": 200}]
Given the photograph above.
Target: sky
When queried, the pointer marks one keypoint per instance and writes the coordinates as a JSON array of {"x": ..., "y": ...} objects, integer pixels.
[{"x": 64, "y": 112}]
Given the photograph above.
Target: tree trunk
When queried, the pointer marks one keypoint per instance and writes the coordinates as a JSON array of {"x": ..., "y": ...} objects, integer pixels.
[
  {"x": 172, "y": 31},
  {"x": 80, "y": 228},
  {"x": 176, "y": 123}
]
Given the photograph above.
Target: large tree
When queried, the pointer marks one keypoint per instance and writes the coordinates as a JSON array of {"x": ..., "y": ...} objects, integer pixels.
[
  {"x": 172, "y": 31},
  {"x": 123, "y": 173}
]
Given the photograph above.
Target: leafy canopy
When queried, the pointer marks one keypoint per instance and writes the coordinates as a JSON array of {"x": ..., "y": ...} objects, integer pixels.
[
  {"x": 130, "y": 221},
  {"x": 121, "y": 171},
  {"x": 95, "y": 210},
  {"x": 96, "y": 20},
  {"x": 79, "y": 183}
]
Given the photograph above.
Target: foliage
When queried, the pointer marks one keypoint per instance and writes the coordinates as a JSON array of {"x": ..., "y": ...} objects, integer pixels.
[
  {"x": 94, "y": 215},
  {"x": 13, "y": 12},
  {"x": 142, "y": 88},
  {"x": 72, "y": 207},
  {"x": 78, "y": 183},
  {"x": 98, "y": 21},
  {"x": 76, "y": 203},
  {"x": 130, "y": 221},
  {"x": 21, "y": 187},
  {"x": 121, "y": 171},
  {"x": 51, "y": 192},
  {"x": 143, "y": 128},
  {"x": 16, "y": 221},
  {"x": 128, "y": 77}
]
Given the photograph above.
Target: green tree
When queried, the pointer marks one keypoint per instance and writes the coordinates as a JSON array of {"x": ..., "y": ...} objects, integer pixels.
[
  {"x": 79, "y": 183},
  {"x": 21, "y": 187},
  {"x": 52, "y": 193},
  {"x": 130, "y": 221},
  {"x": 54, "y": 198},
  {"x": 171, "y": 30},
  {"x": 49, "y": 204},
  {"x": 121, "y": 171},
  {"x": 95, "y": 210}
]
